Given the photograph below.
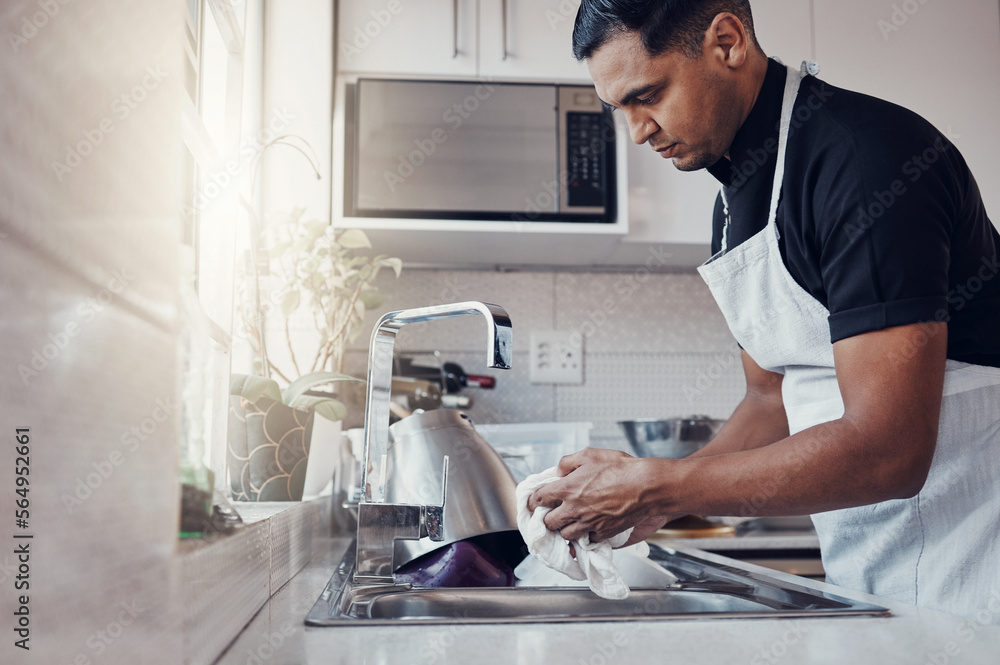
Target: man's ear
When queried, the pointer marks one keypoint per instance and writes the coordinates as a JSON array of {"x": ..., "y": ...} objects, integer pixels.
[{"x": 727, "y": 40}]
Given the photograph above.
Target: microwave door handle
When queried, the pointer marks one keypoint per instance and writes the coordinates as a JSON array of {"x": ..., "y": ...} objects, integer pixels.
[
  {"x": 454, "y": 29},
  {"x": 503, "y": 28}
]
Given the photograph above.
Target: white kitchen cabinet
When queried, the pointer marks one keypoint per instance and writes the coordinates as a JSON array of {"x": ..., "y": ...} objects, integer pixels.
[
  {"x": 942, "y": 60},
  {"x": 491, "y": 39},
  {"x": 529, "y": 40},
  {"x": 407, "y": 37}
]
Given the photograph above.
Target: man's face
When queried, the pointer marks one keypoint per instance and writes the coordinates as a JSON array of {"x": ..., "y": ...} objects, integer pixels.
[{"x": 685, "y": 108}]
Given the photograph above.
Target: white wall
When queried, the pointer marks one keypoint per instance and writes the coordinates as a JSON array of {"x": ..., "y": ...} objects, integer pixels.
[
  {"x": 88, "y": 277},
  {"x": 298, "y": 76}
]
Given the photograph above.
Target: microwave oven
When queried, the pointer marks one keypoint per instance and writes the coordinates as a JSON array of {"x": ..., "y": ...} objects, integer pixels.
[{"x": 475, "y": 150}]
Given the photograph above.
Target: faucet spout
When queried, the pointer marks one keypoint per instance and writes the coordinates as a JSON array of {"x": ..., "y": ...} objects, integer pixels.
[
  {"x": 499, "y": 352},
  {"x": 380, "y": 524}
]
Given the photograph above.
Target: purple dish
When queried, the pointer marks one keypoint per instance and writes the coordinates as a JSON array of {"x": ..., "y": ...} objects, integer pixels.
[{"x": 461, "y": 564}]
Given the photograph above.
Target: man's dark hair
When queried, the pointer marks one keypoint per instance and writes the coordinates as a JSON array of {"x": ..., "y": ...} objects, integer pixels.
[{"x": 663, "y": 25}]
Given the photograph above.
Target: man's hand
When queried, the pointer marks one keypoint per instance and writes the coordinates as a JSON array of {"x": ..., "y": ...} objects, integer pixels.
[{"x": 602, "y": 493}]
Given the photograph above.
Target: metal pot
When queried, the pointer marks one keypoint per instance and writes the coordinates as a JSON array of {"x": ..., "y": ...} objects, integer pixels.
[
  {"x": 672, "y": 438},
  {"x": 481, "y": 490}
]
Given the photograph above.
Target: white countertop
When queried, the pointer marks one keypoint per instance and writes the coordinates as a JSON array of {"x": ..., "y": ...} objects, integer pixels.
[{"x": 277, "y": 635}]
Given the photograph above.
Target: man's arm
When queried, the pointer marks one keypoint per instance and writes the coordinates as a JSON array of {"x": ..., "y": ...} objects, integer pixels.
[
  {"x": 891, "y": 382},
  {"x": 759, "y": 419}
]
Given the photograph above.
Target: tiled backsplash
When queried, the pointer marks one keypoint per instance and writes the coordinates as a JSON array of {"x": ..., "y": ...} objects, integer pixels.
[{"x": 655, "y": 345}]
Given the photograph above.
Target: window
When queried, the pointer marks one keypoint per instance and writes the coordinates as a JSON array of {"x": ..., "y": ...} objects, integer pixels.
[{"x": 224, "y": 84}]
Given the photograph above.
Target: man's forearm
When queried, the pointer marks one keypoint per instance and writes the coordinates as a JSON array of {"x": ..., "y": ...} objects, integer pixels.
[{"x": 756, "y": 422}]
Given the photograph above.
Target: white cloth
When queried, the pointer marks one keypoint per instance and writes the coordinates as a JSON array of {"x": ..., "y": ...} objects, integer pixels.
[
  {"x": 939, "y": 549},
  {"x": 594, "y": 561}
]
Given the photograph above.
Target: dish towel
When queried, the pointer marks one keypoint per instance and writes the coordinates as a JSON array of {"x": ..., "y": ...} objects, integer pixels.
[{"x": 594, "y": 561}]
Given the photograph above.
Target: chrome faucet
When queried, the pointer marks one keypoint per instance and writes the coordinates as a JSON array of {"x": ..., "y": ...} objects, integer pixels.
[{"x": 380, "y": 524}]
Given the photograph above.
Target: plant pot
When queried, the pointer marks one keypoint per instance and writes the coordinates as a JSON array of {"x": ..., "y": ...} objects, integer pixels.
[
  {"x": 324, "y": 455},
  {"x": 268, "y": 450}
]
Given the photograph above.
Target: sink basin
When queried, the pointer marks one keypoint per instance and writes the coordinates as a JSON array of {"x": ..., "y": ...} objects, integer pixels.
[
  {"x": 702, "y": 590},
  {"x": 552, "y": 603}
]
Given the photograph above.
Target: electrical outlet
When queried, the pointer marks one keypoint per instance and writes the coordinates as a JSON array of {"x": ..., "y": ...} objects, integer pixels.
[{"x": 556, "y": 357}]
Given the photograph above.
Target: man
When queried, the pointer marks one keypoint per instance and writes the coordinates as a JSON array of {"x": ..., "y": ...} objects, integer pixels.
[{"x": 845, "y": 232}]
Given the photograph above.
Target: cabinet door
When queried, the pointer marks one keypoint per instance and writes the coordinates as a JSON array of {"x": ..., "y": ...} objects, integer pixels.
[
  {"x": 937, "y": 59},
  {"x": 668, "y": 206},
  {"x": 426, "y": 38},
  {"x": 529, "y": 39}
]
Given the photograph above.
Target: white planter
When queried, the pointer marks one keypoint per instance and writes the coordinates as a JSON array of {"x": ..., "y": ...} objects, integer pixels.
[{"x": 324, "y": 454}]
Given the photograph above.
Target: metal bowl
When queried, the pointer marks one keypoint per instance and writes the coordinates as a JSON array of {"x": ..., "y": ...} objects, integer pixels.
[{"x": 672, "y": 438}]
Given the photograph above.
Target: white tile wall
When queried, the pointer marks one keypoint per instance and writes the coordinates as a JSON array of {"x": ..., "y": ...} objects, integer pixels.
[{"x": 655, "y": 345}]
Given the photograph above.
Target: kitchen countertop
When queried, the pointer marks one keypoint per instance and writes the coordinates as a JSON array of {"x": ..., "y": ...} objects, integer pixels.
[
  {"x": 748, "y": 539},
  {"x": 277, "y": 635}
]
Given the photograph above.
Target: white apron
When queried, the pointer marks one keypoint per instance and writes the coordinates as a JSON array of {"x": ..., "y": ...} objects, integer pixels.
[{"x": 940, "y": 549}]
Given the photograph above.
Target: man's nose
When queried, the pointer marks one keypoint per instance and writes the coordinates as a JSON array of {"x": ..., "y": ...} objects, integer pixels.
[{"x": 640, "y": 126}]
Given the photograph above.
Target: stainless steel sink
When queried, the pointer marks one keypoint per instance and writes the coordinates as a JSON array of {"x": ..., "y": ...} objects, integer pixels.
[{"x": 703, "y": 589}]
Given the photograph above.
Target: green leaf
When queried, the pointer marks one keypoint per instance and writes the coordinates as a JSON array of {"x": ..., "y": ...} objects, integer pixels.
[
  {"x": 327, "y": 407},
  {"x": 251, "y": 388},
  {"x": 311, "y": 380},
  {"x": 289, "y": 303},
  {"x": 354, "y": 239},
  {"x": 373, "y": 300},
  {"x": 315, "y": 228},
  {"x": 394, "y": 263}
]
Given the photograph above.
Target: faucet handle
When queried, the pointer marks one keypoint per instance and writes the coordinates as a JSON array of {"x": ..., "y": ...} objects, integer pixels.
[{"x": 432, "y": 522}]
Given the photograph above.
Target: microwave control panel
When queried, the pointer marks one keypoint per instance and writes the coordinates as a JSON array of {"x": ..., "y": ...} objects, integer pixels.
[
  {"x": 586, "y": 153},
  {"x": 584, "y": 177}
]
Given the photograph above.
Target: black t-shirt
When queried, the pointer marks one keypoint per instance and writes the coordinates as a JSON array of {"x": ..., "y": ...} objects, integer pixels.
[{"x": 880, "y": 218}]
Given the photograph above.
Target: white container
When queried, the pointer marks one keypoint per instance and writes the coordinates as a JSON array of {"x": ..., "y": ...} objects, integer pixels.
[{"x": 528, "y": 448}]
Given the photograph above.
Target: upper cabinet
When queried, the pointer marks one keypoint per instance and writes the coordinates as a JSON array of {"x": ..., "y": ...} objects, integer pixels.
[
  {"x": 529, "y": 39},
  {"x": 426, "y": 38},
  {"x": 491, "y": 39}
]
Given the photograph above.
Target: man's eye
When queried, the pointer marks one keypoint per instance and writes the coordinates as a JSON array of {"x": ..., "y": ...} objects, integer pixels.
[{"x": 645, "y": 101}]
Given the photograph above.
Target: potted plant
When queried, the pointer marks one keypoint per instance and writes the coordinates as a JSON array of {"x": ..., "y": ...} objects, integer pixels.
[{"x": 312, "y": 266}]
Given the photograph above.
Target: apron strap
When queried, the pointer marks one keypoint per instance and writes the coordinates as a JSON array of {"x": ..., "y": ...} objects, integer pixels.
[{"x": 792, "y": 81}]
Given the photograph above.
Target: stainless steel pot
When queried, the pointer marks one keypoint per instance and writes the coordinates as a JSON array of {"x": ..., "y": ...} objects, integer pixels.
[
  {"x": 672, "y": 438},
  {"x": 481, "y": 490}
]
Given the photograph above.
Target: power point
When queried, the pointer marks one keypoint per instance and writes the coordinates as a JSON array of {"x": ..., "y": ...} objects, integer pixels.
[{"x": 556, "y": 357}]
